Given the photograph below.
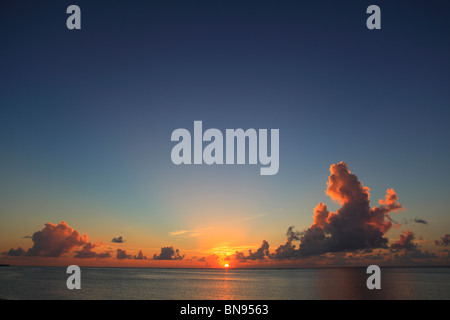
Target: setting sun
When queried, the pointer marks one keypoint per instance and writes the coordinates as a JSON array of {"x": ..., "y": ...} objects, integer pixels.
[{"x": 226, "y": 265}]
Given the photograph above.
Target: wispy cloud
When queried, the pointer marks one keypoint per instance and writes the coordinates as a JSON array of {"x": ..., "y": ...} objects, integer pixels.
[
  {"x": 186, "y": 233},
  {"x": 178, "y": 232},
  {"x": 200, "y": 231}
]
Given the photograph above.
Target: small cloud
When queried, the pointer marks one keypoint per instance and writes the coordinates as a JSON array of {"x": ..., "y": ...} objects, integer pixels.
[
  {"x": 53, "y": 240},
  {"x": 122, "y": 255},
  {"x": 405, "y": 241},
  {"x": 118, "y": 240},
  {"x": 86, "y": 252},
  {"x": 444, "y": 241},
  {"x": 140, "y": 256},
  {"x": 417, "y": 220},
  {"x": 15, "y": 252},
  {"x": 168, "y": 253}
]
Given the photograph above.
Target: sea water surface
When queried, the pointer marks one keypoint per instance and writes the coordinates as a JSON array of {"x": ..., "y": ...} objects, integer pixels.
[{"x": 235, "y": 284}]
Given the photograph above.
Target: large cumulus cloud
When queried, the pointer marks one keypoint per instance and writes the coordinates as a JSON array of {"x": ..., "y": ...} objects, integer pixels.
[
  {"x": 356, "y": 225},
  {"x": 55, "y": 240}
]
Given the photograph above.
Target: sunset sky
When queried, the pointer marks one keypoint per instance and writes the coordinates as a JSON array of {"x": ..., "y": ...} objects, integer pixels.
[{"x": 86, "y": 118}]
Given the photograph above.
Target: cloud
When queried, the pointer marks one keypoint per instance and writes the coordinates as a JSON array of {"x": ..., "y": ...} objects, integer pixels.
[
  {"x": 391, "y": 199},
  {"x": 122, "y": 255},
  {"x": 118, "y": 240},
  {"x": 168, "y": 253},
  {"x": 405, "y": 241},
  {"x": 140, "y": 256},
  {"x": 285, "y": 251},
  {"x": 200, "y": 231},
  {"x": 406, "y": 250},
  {"x": 15, "y": 252},
  {"x": 293, "y": 235},
  {"x": 355, "y": 225},
  {"x": 444, "y": 241},
  {"x": 53, "y": 240},
  {"x": 417, "y": 220},
  {"x": 186, "y": 233},
  {"x": 261, "y": 253},
  {"x": 239, "y": 256},
  {"x": 414, "y": 254},
  {"x": 87, "y": 253},
  {"x": 178, "y": 232}
]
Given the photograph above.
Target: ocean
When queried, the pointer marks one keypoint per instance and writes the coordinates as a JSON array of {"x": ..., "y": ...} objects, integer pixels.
[{"x": 231, "y": 284}]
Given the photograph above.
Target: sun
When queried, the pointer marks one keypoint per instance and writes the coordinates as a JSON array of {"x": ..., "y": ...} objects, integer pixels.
[{"x": 226, "y": 265}]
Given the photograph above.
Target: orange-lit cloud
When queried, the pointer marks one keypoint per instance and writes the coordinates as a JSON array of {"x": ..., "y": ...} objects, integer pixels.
[
  {"x": 53, "y": 241},
  {"x": 320, "y": 216},
  {"x": 405, "y": 241},
  {"x": 355, "y": 225}
]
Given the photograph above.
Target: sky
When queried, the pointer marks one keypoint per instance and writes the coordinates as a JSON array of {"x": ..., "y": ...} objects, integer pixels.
[{"x": 86, "y": 118}]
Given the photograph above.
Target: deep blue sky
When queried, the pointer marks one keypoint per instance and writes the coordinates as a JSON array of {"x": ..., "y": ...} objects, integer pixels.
[{"x": 86, "y": 116}]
